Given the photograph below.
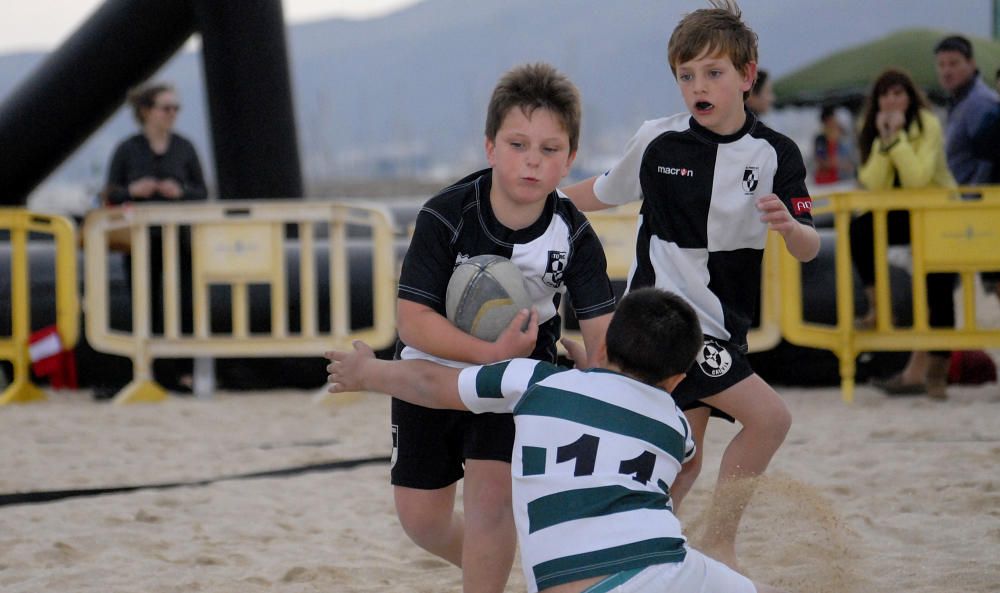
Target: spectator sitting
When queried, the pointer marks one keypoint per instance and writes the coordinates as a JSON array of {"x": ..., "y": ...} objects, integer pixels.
[
  {"x": 901, "y": 146},
  {"x": 832, "y": 150}
]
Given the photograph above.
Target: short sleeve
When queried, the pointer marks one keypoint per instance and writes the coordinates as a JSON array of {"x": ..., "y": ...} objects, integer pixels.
[
  {"x": 429, "y": 261},
  {"x": 497, "y": 388},
  {"x": 790, "y": 182},
  {"x": 587, "y": 276},
  {"x": 620, "y": 184}
]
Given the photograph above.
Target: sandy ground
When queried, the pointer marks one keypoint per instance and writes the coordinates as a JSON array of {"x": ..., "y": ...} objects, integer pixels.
[{"x": 881, "y": 495}]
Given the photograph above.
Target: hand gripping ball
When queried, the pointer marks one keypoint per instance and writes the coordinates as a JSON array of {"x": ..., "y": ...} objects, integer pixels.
[{"x": 484, "y": 294}]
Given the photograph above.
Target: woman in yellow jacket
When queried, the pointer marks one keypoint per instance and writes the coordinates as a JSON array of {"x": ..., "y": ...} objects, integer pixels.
[{"x": 902, "y": 146}]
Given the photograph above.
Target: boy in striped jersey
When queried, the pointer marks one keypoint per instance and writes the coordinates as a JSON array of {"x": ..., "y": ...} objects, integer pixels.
[{"x": 595, "y": 451}]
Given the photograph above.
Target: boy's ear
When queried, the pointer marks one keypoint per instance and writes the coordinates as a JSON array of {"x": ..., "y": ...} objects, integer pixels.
[
  {"x": 491, "y": 148},
  {"x": 670, "y": 383},
  {"x": 569, "y": 162},
  {"x": 749, "y": 76}
]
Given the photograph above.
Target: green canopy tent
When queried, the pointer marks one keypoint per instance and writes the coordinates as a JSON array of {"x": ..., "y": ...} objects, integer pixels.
[{"x": 845, "y": 77}]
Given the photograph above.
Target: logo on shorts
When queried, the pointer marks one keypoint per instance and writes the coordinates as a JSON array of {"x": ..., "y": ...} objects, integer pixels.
[
  {"x": 751, "y": 175},
  {"x": 554, "y": 269},
  {"x": 713, "y": 359},
  {"x": 460, "y": 259},
  {"x": 395, "y": 446}
]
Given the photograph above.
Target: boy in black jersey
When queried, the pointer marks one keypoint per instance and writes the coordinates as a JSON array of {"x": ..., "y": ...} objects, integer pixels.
[
  {"x": 512, "y": 209},
  {"x": 712, "y": 182}
]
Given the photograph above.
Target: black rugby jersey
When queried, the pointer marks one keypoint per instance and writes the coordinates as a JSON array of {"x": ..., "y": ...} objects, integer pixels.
[
  {"x": 558, "y": 252},
  {"x": 699, "y": 232}
]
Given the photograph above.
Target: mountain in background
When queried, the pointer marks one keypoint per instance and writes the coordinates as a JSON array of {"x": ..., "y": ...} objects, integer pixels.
[{"x": 404, "y": 95}]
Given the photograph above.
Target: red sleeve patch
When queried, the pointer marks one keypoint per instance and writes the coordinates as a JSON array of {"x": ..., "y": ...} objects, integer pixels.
[{"x": 802, "y": 206}]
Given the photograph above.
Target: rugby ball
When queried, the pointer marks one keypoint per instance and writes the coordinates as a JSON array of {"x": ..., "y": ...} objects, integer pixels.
[{"x": 484, "y": 294}]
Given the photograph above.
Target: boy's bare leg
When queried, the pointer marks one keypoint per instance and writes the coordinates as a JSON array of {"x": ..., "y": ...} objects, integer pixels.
[
  {"x": 698, "y": 420},
  {"x": 429, "y": 518},
  {"x": 490, "y": 536},
  {"x": 766, "y": 421}
]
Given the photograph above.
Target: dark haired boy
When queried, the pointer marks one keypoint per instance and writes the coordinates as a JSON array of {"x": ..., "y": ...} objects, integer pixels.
[
  {"x": 595, "y": 450},
  {"x": 512, "y": 209}
]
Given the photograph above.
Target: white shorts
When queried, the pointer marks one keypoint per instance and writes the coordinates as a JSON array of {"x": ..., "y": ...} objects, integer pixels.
[{"x": 697, "y": 574}]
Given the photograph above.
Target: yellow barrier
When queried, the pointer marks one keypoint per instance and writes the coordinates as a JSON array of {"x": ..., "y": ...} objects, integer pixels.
[
  {"x": 19, "y": 223},
  {"x": 237, "y": 244},
  {"x": 616, "y": 229},
  {"x": 951, "y": 231}
]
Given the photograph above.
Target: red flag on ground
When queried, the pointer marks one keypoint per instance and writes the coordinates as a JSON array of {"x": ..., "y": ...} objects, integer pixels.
[
  {"x": 50, "y": 359},
  {"x": 971, "y": 367}
]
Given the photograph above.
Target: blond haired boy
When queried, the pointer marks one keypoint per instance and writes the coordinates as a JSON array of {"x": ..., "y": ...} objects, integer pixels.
[{"x": 712, "y": 183}]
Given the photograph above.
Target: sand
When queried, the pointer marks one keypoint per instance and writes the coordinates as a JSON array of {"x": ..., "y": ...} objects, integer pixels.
[{"x": 881, "y": 495}]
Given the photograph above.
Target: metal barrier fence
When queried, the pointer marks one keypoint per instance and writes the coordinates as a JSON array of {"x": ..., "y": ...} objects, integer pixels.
[
  {"x": 20, "y": 223},
  {"x": 617, "y": 230},
  {"x": 950, "y": 230},
  {"x": 237, "y": 245}
]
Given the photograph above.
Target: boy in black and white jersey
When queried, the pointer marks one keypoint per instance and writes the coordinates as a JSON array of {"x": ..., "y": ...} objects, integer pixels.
[
  {"x": 513, "y": 210},
  {"x": 595, "y": 451},
  {"x": 712, "y": 182}
]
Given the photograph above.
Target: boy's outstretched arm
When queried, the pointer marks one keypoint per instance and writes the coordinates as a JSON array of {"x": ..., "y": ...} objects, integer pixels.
[
  {"x": 583, "y": 197},
  {"x": 418, "y": 382},
  {"x": 801, "y": 240},
  {"x": 575, "y": 352},
  {"x": 594, "y": 332}
]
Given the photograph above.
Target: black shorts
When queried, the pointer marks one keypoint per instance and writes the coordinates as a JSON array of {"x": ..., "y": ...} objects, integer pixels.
[
  {"x": 719, "y": 366},
  {"x": 429, "y": 447}
]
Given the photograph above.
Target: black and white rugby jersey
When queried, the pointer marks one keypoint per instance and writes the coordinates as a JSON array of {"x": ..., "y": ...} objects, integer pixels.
[
  {"x": 699, "y": 232},
  {"x": 558, "y": 252}
]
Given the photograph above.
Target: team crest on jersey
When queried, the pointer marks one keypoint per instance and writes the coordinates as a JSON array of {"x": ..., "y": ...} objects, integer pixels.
[
  {"x": 395, "y": 446},
  {"x": 714, "y": 360},
  {"x": 555, "y": 268},
  {"x": 751, "y": 176}
]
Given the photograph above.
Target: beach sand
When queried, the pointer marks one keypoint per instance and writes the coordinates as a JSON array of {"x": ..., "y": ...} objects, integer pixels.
[{"x": 881, "y": 495}]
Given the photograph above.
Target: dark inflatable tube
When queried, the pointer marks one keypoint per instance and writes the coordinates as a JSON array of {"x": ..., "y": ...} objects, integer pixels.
[{"x": 784, "y": 365}]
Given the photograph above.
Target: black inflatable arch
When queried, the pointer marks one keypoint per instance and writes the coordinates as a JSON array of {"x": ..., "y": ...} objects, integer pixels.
[{"x": 81, "y": 84}]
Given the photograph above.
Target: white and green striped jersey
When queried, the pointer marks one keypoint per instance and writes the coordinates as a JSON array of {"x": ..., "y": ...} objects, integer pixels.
[{"x": 594, "y": 455}]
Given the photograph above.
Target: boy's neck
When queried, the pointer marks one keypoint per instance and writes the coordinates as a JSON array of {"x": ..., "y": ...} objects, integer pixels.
[
  {"x": 667, "y": 384},
  {"x": 511, "y": 214},
  {"x": 733, "y": 127}
]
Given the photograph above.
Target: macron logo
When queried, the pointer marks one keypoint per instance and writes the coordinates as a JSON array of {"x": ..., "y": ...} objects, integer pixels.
[{"x": 673, "y": 171}]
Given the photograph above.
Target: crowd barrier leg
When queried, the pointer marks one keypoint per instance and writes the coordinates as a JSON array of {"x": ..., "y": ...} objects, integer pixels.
[
  {"x": 21, "y": 390},
  {"x": 142, "y": 388}
]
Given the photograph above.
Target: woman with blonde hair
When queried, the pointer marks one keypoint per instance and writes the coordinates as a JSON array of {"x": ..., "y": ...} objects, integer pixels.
[{"x": 902, "y": 146}]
